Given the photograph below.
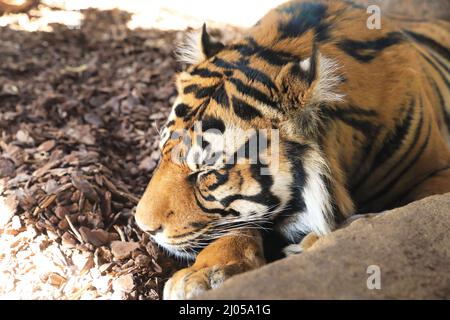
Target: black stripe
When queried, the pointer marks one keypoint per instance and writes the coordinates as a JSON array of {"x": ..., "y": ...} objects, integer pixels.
[
  {"x": 441, "y": 102},
  {"x": 205, "y": 92},
  {"x": 223, "y": 64},
  {"x": 255, "y": 75},
  {"x": 296, "y": 204},
  {"x": 347, "y": 114},
  {"x": 210, "y": 122},
  {"x": 265, "y": 196},
  {"x": 220, "y": 96},
  {"x": 298, "y": 72},
  {"x": 366, "y": 51},
  {"x": 430, "y": 43},
  {"x": 411, "y": 146},
  {"x": 190, "y": 88},
  {"x": 394, "y": 180},
  {"x": 181, "y": 110},
  {"x": 273, "y": 57},
  {"x": 206, "y": 73},
  {"x": 221, "y": 179},
  {"x": 251, "y": 73},
  {"x": 338, "y": 216},
  {"x": 302, "y": 18},
  {"x": 254, "y": 93},
  {"x": 428, "y": 176},
  {"x": 198, "y": 225},
  {"x": 350, "y": 110},
  {"x": 436, "y": 67},
  {"x": 365, "y": 126},
  {"x": 243, "y": 110},
  {"x": 439, "y": 61},
  {"x": 435, "y": 59},
  {"x": 197, "y": 112},
  {"x": 390, "y": 144},
  {"x": 221, "y": 212}
]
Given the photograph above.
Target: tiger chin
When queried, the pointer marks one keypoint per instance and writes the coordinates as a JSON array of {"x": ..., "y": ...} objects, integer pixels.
[{"x": 354, "y": 120}]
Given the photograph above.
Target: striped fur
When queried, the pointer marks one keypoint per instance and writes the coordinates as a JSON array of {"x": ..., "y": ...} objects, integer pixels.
[{"x": 363, "y": 118}]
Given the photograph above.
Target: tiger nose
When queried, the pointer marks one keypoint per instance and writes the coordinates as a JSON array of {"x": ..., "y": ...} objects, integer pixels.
[
  {"x": 153, "y": 231},
  {"x": 150, "y": 228}
]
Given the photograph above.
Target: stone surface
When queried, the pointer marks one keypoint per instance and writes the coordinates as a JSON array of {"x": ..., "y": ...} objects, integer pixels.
[{"x": 410, "y": 245}]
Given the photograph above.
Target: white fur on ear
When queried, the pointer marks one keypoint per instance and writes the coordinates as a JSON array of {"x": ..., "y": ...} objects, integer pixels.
[
  {"x": 328, "y": 78},
  {"x": 190, "y": 50},
  {"x": 305, "y": 64}
]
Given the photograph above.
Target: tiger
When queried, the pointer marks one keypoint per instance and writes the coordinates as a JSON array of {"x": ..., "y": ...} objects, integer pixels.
[{"x": 360, "y": 118}]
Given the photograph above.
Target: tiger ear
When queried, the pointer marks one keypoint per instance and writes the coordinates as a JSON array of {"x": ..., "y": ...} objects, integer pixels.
[
  {"x": 311, "y": 81},
  {"x": 197, "y": 47}
]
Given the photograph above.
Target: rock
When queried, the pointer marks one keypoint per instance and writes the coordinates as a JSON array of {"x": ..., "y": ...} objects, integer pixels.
[
  {"x": 409, "y": 245},
  {"x": 122, "y": 250}
]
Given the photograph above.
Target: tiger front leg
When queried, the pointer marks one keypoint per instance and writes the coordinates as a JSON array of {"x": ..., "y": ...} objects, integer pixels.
[{"x": 217, "y": 262}]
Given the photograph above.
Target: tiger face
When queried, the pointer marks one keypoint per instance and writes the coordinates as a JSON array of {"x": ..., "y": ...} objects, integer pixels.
[{"x": 233, "y": 156}]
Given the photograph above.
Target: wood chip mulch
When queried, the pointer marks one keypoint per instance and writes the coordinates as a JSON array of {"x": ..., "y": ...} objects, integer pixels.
[{"x": 79, "y": 120}]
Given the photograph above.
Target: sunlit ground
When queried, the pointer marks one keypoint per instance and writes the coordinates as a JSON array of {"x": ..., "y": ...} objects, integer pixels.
[{"x": 159, "y": 14}]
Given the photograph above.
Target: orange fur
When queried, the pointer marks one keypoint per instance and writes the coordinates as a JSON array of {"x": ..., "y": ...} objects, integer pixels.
[{"x": 366, "y": 127}]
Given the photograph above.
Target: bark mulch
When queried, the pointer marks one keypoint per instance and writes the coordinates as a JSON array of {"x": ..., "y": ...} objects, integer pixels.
[{"x": 79, "y": 116}]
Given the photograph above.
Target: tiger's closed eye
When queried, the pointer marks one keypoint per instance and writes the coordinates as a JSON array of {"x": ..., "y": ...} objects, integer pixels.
[{"x": 192, "y": 177}]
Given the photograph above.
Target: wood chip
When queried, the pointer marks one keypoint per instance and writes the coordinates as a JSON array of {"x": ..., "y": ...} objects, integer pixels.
[
  {"x": 84, "y": 186},
  {"x": 123, "y": 250},
  {"x": 56, "y": 280},
  {"x": 46, "y": 146},
  {"x": 124, "y": 283}
]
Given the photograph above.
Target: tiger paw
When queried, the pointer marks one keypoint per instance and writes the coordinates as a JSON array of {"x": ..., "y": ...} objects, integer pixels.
[
  {"x": 191, "y": 282},
  {"x": 307, "y": 242}
]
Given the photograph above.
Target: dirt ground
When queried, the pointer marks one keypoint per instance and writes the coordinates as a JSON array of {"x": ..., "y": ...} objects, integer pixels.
[{"x": 80, "y": 112}]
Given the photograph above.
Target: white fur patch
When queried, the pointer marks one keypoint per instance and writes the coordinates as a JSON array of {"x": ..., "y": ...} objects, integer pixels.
[
  {"x": 328, "y": 80},
  {"x": 190, "y": 50},
  {"x": 305, "y": 64},
  {"x": 315, "y": 194},
  {"x": 161, "y": 239},
  {"x": 317, "y": 216}
]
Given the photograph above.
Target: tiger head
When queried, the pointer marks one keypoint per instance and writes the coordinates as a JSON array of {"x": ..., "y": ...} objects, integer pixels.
[{"x": 238, "y": 149}]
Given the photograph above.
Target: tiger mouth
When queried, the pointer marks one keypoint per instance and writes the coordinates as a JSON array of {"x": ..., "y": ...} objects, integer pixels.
[{"x": 186, "y": 247}]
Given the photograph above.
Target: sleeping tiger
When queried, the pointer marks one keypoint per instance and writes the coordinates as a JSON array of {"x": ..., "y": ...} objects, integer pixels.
[{"x": 354, "y": 120}]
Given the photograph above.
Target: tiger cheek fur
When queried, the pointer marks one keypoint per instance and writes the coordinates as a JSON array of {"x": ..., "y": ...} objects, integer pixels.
[
  {"x": 172, "y": 216},
  {"x": 363, "y": 123}
]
